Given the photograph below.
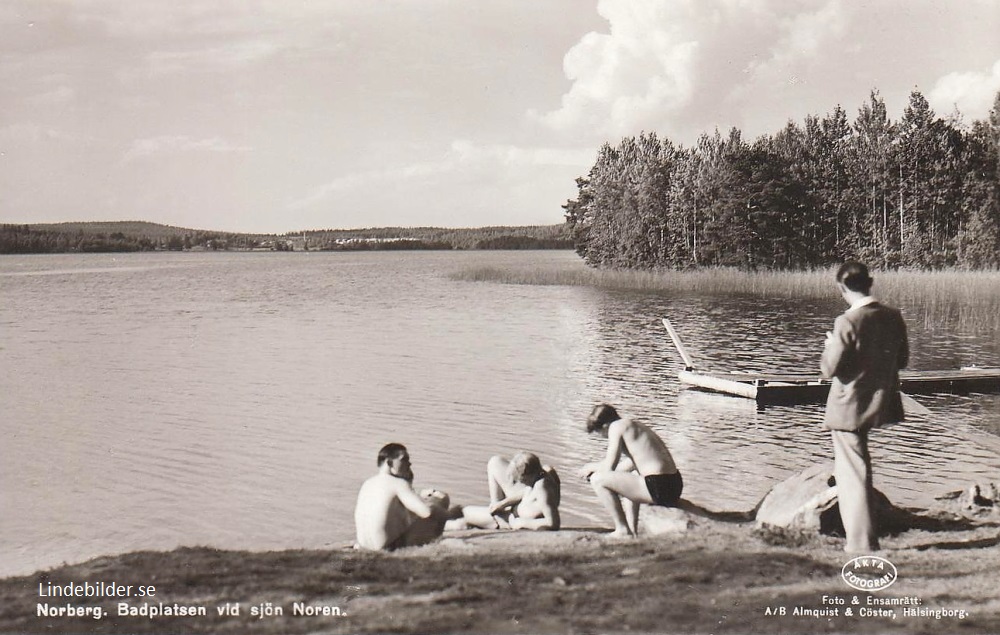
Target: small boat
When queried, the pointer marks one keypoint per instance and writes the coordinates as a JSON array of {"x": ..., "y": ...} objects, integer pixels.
[{"x": 792, "y": 388}]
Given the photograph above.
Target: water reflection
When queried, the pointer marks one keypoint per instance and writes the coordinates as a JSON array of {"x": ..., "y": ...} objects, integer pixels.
[
  {"x": 239, "y": 400},
  {"x": 734, "y": 451}
]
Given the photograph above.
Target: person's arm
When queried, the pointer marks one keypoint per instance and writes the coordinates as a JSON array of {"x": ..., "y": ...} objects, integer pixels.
[
  {"x": 615, "y": 445},
  {"x": 626, "y": 464},
  {"x": 411, "y": 500},
  {"x": 501, "y": 505},
  {"x": 613, "y": 454},
  {"x": 550, "y": 514},
  {"x": 836, "y": 350},
  {"x": 904, "y": 347}
]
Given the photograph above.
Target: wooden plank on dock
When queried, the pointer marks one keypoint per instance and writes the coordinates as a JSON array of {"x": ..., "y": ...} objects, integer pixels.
[
  {"x": 781, "y": 388},
  {"x": 800, "y": 387},
  {"x": 718, "y": 383}
]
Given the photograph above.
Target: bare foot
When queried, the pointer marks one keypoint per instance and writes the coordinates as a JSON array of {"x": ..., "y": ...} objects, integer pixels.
[
  {"x": 619, "y": 534},
  {"x": 456, "y": 524}
]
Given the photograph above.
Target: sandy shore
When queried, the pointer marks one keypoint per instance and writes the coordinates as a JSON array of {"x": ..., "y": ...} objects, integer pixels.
[{"x": 717, "y": 578}]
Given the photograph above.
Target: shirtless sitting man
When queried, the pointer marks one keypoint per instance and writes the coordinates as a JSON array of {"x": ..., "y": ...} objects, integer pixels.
[
  {"x": 524, "y": 494},
  {"x": 389, "y": 513},
  {"x": 637, "y": 468}
]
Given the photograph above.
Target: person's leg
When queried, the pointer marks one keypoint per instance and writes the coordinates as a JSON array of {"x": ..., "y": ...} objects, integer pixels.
[
  {"x": 611, "y": 486},
  {"x": 397, "y": 523},
  {"x": 869, "y": 492},
  {"x": 852, "y": 470},
  {"x": 500, "y": 484},
  {"x": 424, "y": 530},
  {"x": 631, "y": 509},
  {"x": 479, "y": 516}
]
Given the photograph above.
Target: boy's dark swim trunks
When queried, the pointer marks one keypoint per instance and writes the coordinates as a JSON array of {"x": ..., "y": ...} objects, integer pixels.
[{"x": 665, "y": 489}]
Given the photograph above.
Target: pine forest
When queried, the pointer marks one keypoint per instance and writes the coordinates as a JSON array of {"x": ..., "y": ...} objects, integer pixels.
[{"x": 921, "y": 192}]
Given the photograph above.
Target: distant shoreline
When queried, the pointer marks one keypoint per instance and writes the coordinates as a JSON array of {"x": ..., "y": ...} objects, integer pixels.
[{"x": 130, "y": 236}]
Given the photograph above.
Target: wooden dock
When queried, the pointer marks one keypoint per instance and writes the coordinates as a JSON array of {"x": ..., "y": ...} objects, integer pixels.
[{"x": 792, "y": 388}]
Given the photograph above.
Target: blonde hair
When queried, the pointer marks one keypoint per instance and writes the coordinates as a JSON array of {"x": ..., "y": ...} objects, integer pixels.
[{"x": 525, "y": 467}]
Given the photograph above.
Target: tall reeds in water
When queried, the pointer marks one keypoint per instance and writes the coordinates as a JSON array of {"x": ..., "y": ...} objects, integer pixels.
[{"x": 970, "y": 297}]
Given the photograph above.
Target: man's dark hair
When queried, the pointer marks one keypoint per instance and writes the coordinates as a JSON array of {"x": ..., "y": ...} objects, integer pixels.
[
  {"x": 600, "y": 416},
  {"x": 854, "y": 276},
  {"x": 390, "y": 451}
]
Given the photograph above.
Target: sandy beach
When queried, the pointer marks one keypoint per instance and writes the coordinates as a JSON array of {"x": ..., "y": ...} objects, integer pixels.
[{"x": 718, "y": 577}]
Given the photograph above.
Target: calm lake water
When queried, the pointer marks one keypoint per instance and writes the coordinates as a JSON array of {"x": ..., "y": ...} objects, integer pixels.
[{"x": 238, "y": 400}]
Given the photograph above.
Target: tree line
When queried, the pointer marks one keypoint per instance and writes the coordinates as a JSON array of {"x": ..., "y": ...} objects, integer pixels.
[
  {"x": 387, "y": 238},
  {"x": 138, "y": 236},
  {"x": 27, "y": 239},
  {"x": 923, "y": 191}
]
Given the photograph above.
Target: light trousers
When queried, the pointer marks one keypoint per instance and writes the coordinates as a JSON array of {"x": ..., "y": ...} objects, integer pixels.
[{"x": 855, "y": 494}]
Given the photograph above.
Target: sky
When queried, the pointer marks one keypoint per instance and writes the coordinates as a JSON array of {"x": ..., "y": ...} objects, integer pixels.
[{"x": 276, "y": 116}]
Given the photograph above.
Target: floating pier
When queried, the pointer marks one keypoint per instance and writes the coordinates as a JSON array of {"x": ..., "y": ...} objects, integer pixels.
[{"x": 792, "y": 388}]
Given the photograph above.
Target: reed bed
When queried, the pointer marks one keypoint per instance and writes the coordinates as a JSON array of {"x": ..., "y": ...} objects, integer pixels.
[
  {"x": 706, "y": 281},
  {"x": 970, "y": 298},
  {"x": 966, "y": 285}
]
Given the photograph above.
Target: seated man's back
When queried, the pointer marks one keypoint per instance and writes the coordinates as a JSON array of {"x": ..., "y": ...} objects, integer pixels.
[
  {"x": 379, "y": 515},
  {"x": 389, "y": 514}
]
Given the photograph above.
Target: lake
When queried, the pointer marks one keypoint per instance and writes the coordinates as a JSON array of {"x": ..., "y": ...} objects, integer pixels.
[{"x": 238, "y": 400}]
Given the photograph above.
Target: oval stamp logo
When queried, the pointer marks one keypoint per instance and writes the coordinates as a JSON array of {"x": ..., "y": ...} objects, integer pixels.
[{"x": 869, "y": 573}]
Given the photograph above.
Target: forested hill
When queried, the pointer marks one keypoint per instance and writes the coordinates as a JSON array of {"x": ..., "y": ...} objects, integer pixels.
[
  {"x": 525, "y": 237},
  {"x": 117, "y": 236},
  {"x": 120, "y": 236},
  {"x": 923, "y": 191},
  {"x": 126, "y": 228}
]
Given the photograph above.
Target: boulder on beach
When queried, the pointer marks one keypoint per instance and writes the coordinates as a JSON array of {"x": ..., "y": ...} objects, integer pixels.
[
  {"x": 808, "y": 502},
  {"x": 654, "y": 520}
]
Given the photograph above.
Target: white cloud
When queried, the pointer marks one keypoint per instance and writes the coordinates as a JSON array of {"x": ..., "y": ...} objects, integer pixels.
[
  {"x": 468, "y": 152},
  {"x": 972, "y": 92},
  {"x": 141, "y": 148},
  {"x": 58, "y": 95},
  {"x": 800, "y": 37},
  {"x": 153, "y": 19},
  {"x": 683, "y": 67},
  {"x": 31, "y": 133},
  {"x": 360, "y": 180},
  {"x": 212, "y": 58},
  {"x": 643, "y": 67},
  {"x": 358, "y": 103},
  {"x": 23, "y": 132},
  {"x": 464, "y": 157},
  {"x": 195, "y": 37}
]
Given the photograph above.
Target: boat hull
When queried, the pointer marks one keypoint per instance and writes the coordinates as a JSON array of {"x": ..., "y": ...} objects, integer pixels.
[{"x": 791, "y": 388}]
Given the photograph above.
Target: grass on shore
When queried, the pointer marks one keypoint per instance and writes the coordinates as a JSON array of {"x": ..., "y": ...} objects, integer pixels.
[
  {"x": 952, "y": 283},
  {"x": 719, "y": 579},
  {"x": 969, "y": 298}
]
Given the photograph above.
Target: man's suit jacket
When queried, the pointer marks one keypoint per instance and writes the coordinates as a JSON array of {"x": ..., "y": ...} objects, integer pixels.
[{"x": 863, "y": 357}]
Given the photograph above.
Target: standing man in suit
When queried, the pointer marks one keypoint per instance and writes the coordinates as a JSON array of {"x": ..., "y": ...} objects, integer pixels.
[{"x": 863, "y": 355}]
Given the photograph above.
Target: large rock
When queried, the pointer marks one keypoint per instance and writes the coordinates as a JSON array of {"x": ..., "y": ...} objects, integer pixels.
[
  {"x": 654, "y": 520},
  {"x": 808, "y": 502}
]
